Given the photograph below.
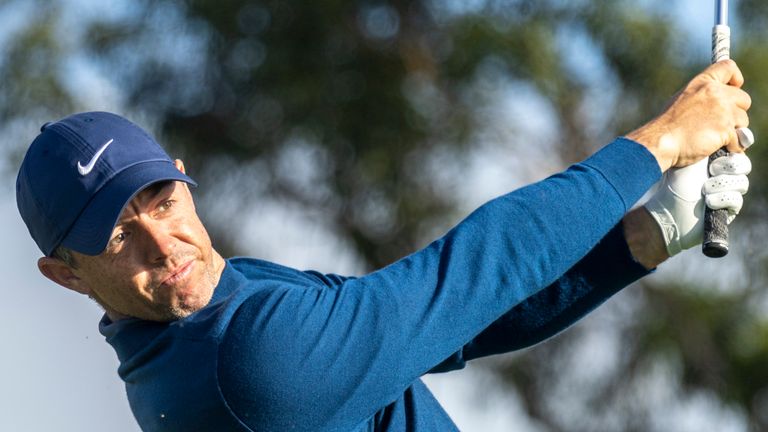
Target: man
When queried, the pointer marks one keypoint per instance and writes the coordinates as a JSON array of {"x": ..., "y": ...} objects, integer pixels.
[{"x": 208, "y": 344}]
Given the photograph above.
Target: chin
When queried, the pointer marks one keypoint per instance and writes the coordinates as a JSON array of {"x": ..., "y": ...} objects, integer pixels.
[
  {"x": 172, "y": 313},
  {"x": 187, "y": 306}
]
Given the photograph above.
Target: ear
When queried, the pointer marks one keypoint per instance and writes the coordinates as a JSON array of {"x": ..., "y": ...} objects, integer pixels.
[
  {"x": 59, "y": 272},
  {"x": 180, "y": 165}
]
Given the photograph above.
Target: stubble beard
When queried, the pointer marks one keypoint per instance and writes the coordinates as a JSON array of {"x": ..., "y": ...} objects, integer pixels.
[{"x": 203, "y": 295}]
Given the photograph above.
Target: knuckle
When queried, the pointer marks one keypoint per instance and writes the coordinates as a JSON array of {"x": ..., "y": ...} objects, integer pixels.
[{"x": 711, "y": 89}]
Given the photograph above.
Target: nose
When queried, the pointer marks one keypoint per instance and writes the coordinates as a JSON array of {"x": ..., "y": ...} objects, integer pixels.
[{"x": 158, "y": 241}]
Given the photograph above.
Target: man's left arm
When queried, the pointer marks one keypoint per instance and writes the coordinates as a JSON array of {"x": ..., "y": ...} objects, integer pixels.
[{"x": 603, "y": 272}]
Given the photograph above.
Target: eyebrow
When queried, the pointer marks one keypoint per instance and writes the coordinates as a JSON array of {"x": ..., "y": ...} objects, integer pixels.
[
  {"x": 150, "y": 193},
  {"x": 155, "y": 189}
]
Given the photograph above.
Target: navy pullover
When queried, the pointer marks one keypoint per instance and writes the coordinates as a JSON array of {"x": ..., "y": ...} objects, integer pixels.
[{"x": 279, "y": 349}]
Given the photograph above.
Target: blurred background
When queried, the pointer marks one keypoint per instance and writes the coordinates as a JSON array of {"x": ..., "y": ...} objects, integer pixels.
[{"x": 342, "y": 135}]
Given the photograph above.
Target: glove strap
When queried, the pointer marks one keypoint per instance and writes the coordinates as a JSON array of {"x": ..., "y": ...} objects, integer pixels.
[{"x": 666, "y": 222}]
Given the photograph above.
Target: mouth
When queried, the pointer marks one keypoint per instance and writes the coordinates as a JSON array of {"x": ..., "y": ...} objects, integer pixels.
[{"x": 179, "y": 275}]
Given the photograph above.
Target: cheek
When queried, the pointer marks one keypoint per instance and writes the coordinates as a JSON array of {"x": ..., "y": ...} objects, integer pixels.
[
  {"x": 119, "y": 281},
  {"x": 196, "y": 234}
]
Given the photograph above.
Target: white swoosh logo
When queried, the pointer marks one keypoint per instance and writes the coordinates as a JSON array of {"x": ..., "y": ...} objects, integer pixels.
[{"x": 85, "y": 170}]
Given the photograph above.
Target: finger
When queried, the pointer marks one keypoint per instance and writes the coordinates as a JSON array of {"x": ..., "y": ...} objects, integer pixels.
[
  {"x": 739, "y": 97},
  {"x": 726, "y": 184},
  {"x": 745, "y": 100},
  {"x": 732, "y": 142},
  {"x": 726, "y": 72},
  {"x": 731, "y": 201},
  {"x": 742, "y": 119},
  {"x": 736, "y": 163}
]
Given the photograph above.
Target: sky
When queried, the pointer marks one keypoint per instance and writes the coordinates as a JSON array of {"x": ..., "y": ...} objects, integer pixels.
[{"x": 59, "y": 374}]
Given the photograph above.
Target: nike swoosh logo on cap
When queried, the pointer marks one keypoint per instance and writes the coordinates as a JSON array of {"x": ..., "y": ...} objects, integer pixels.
[{"x": 85, "y": 170}]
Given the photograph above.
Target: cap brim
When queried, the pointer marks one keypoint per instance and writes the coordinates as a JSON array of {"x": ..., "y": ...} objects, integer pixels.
[{"x": 91, "y": 232}]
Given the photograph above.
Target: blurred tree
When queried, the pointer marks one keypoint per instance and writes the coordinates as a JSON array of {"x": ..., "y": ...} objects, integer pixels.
[
  {"x": 363, "y": 113},
  {"x": 30, "y": 85}
]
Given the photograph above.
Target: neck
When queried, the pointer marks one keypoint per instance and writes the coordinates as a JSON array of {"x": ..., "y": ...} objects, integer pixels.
[{"x": 114, "y": 316}]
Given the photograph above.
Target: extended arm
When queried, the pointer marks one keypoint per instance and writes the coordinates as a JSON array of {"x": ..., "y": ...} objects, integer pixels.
[
  {"x": 643, "y": 240},
  {"x": 329, "y": 357},
  {"x": 604, "y": 271},
  {"x": 361, "y": 344}
]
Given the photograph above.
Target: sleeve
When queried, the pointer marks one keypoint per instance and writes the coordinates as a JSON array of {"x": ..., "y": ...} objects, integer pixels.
[
  {"x": 603, "y": 272},
  {"x": 327, "y": 359}
]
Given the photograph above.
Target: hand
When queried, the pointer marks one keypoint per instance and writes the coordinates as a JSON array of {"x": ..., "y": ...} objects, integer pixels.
[
  {"x": 678, "y": 207},
  {"x": 700, "y": 119}
]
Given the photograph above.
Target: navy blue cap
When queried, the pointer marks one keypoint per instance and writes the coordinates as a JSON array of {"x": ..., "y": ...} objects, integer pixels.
[{"x": 79, "y": 174}]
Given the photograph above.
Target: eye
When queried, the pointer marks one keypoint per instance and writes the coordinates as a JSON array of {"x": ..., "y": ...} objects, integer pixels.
[
  {"x": 116, "y": 242},
  {"x": 166, "y": 205},
  {"x": 119, "y": 238}
]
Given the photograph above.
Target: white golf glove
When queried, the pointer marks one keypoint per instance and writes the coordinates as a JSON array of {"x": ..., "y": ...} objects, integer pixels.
[{"x": 678, "y": 206}]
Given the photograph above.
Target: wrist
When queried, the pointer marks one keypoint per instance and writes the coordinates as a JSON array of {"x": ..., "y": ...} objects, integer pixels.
[
  {"x": 644, "y": 238},
  {"x": 660, "y": 142}
]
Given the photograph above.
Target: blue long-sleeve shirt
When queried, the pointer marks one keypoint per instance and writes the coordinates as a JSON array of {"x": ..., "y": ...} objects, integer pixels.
[{"x": 280, "y": 349}]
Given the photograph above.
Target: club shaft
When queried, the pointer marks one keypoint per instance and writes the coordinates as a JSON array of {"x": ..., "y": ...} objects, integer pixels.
[{"x": 721, "y": 12}]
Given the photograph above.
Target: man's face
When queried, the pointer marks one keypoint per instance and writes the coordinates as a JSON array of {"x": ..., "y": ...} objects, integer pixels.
[{"x": 159, "y": 264}]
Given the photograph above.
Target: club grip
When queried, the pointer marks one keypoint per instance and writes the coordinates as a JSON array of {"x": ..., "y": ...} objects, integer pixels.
[{"x": 715, "y": 243}]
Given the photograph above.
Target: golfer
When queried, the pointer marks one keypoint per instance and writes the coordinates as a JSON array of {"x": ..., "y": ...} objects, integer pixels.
[{"x": 239, "y": 344}]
